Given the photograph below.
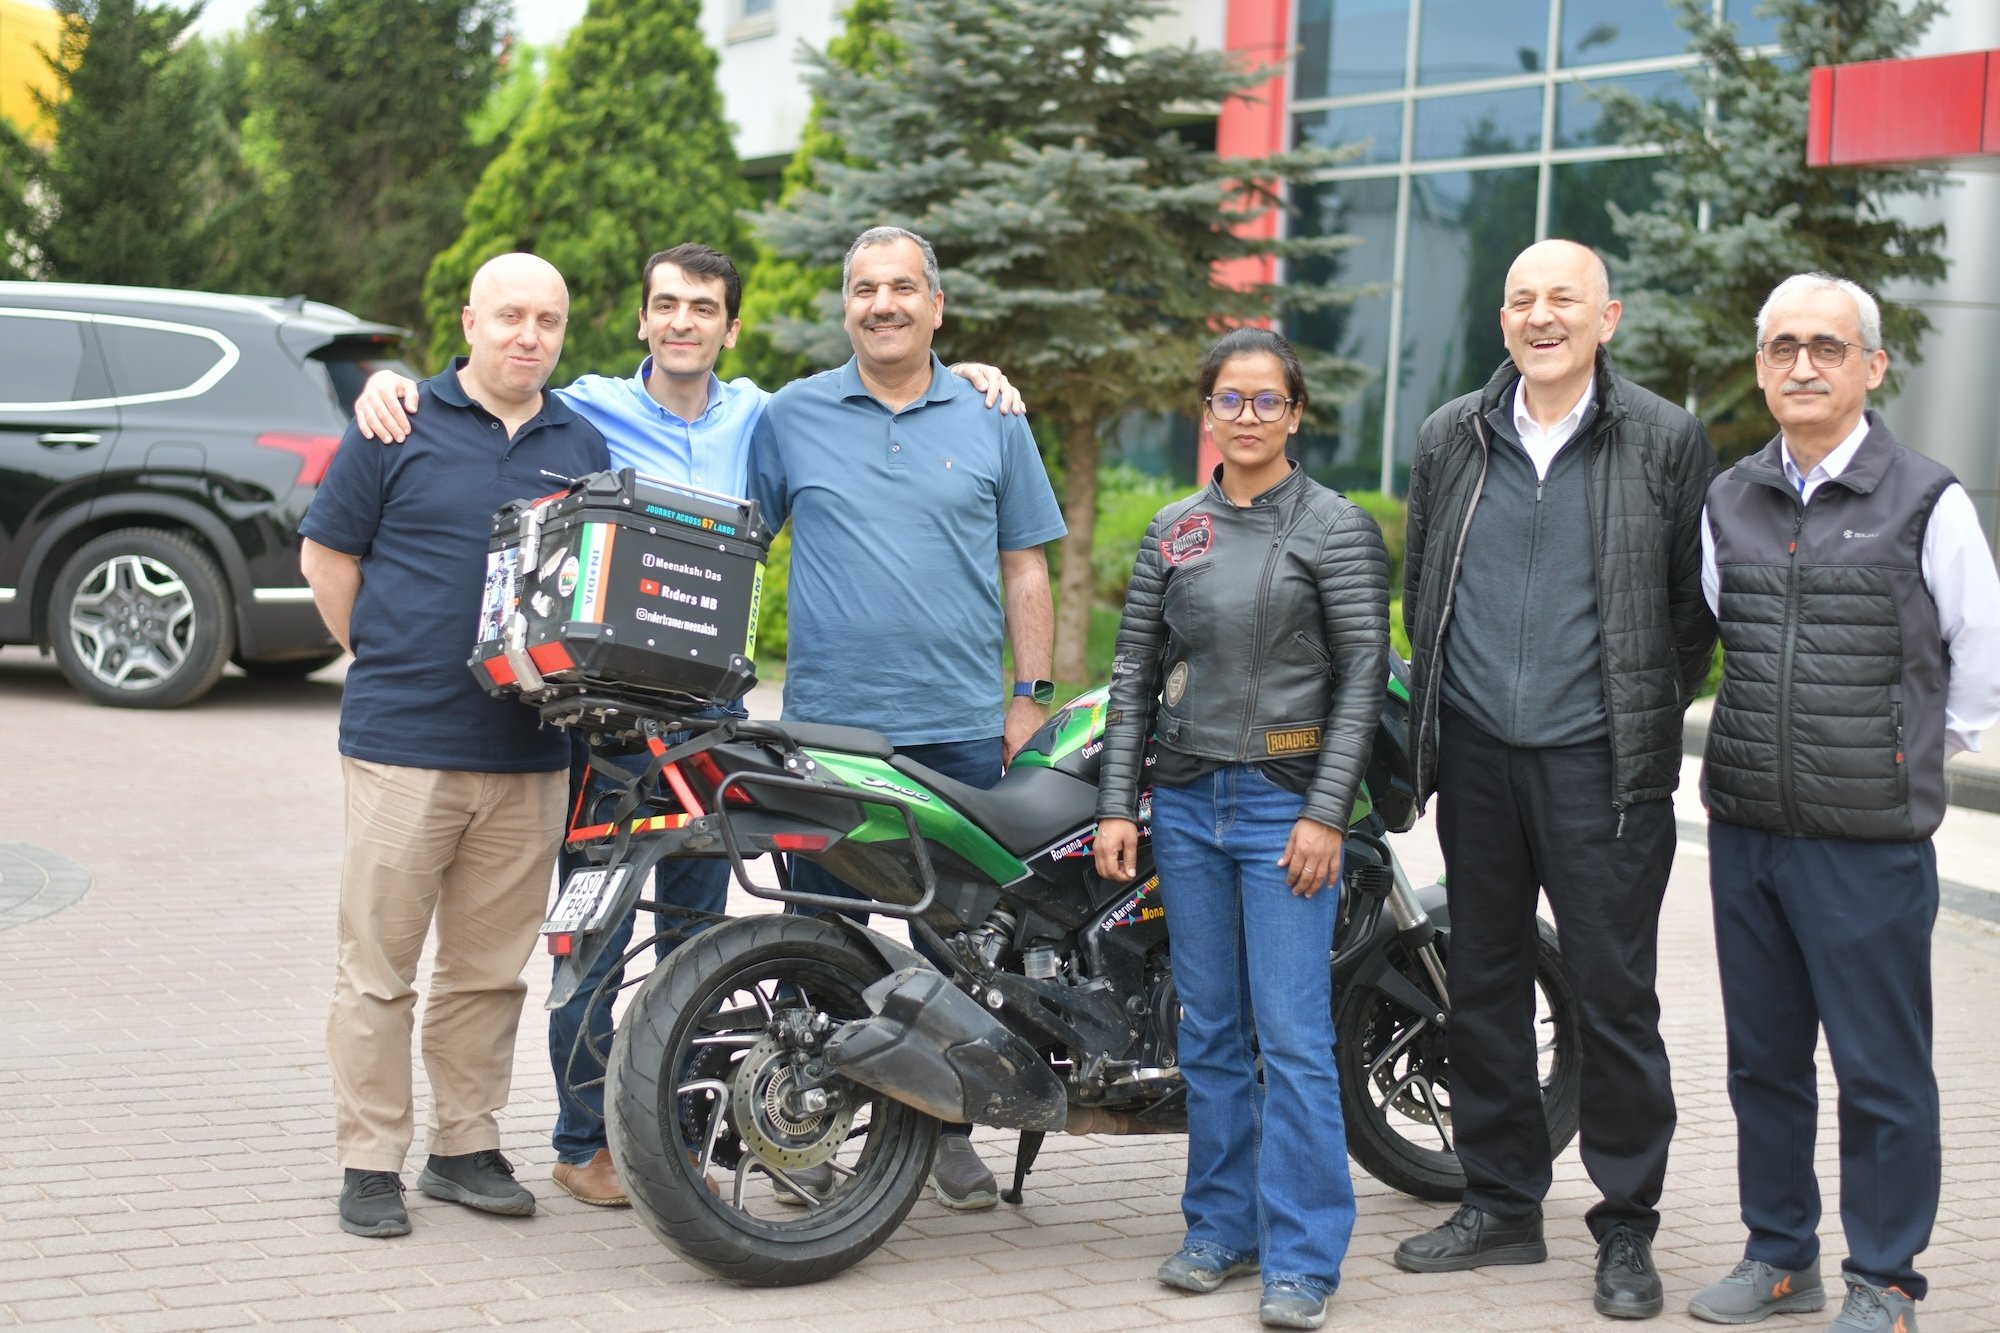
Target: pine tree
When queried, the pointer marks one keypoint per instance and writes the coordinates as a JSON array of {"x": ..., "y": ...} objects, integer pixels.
[
  {"x": 624, "y": 153},
  {"x": 1033, "y": 143},
  {"x": 358, "y": 132},
  {"x": 111, "y": 196},
  {"x": 1692, "y": 291},
  {"x": 19, "y": 161},
  {"x": 786, "y": 288}
]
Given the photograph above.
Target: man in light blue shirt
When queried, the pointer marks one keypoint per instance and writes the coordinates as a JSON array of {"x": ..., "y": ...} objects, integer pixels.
[
  {"x": 676, "y": 420},
  {"x": 918, "y": 522}
]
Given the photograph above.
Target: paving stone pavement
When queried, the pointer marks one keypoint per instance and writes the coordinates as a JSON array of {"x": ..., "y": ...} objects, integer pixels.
[{"x": 166, "y": 1140}]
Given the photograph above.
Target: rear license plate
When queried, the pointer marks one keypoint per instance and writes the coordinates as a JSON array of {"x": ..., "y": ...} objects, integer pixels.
[{"x": 586, "y": 900}]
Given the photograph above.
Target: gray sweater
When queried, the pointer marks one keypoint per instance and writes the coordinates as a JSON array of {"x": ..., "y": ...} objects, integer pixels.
[{"x": 1523, "y": 661}]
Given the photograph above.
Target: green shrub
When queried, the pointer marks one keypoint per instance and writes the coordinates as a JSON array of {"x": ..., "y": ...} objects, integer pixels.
[
  {"x": 1392, "y": 516},
  {"x": 1127, "y": 499},
  {"x": 773, "y": 636}
]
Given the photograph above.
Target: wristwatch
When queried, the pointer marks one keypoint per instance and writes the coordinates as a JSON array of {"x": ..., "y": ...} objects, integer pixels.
[{"x": 1042, "y": 692}]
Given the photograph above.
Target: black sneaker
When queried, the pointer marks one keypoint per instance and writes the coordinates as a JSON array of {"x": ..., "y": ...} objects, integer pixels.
[
  {"x": 1628, "y": 1286},
  {"x": 482, "y": 1180},
  {"x": 961, "y": 1180},
  {"x": 1474, "y": 1239},
  {"x": 371, "y": 1204}
]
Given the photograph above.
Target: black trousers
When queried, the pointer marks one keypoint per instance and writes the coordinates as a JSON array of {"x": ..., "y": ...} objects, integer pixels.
[
  {"x": 1513, "y": 823},
  {"x": 1833, "y": 932}
]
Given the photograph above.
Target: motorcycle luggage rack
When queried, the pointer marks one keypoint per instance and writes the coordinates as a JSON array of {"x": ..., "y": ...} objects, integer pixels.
[{"x": 927, "y": 877}]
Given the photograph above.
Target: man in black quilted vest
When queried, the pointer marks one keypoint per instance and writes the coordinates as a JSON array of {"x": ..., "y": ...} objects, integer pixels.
[{"x": 1860, "y": 620}]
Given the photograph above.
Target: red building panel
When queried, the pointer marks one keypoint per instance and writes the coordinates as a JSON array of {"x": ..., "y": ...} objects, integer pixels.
[
  {"x": 1258, "y": 32},
  {"x": 1884, "y": 111},
  {"x": 1819, "y": 117},
  {"x": 1990, "y": 139}
]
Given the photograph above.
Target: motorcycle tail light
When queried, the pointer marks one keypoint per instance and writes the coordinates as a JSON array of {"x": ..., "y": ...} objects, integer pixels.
[
  {"x": 711, "y": 774},
  {"x": 799, "y": 842},
  {"x": 562, "y": 946},
  {"x": 551, "y": 657}
]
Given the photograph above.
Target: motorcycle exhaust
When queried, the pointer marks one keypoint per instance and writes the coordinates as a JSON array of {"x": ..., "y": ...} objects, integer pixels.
[
  {"x": 1097, "y": 1120},
  {"x": 931, "y": 1046}
]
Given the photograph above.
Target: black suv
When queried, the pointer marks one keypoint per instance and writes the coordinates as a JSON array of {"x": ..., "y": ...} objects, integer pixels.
[{"x": 157, "y": 451}]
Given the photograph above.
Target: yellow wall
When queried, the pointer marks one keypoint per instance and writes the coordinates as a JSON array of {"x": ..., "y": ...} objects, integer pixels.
[{"x": 26, "y": 31}]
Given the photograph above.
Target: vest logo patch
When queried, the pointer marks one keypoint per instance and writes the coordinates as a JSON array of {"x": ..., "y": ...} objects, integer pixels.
[
  {"x": 1176, "y": 684},
  {"x": 1295, "y": 741},
  {"x": 1188, "y": 540},
  {"x": 1851, "y": 535}
]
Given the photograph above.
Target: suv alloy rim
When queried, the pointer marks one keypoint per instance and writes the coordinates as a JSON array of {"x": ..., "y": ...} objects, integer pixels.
[{"x": 132, "y": 622}]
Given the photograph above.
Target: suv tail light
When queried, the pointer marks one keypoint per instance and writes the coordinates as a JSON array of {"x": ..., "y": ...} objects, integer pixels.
[{"x": 315, "y": 452}]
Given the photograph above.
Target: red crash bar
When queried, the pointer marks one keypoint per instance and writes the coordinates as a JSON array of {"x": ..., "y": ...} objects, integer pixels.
[{"x": 1884, "y": 111}]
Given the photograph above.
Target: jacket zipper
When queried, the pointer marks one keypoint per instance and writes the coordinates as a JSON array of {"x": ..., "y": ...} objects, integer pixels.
[
  {"x": 1257, "y": 637},
  {"x": 1786, "y": 657},
  {"x": 1428, "y": 723},
  {"x": 1600, "y": 518}
]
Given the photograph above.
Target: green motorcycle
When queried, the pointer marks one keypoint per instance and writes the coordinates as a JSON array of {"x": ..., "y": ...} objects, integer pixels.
[{"x": 776, "y": 1087}]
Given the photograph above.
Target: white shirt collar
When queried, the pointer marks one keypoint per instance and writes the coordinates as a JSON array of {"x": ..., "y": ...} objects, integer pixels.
[
  {"x": 1833, "y": 464},
  {"x": 1527, "y": 427}
]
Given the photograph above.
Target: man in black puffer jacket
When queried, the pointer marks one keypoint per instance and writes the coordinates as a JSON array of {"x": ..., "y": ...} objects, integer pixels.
[{"x": 1552, "y": 594}]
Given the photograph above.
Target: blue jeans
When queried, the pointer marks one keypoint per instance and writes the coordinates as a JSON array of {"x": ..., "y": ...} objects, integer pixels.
[
  {"x": 1267, "y": 1162},
  {"x": 975, "y": 763},
  {"x": 694, "y": 882}
]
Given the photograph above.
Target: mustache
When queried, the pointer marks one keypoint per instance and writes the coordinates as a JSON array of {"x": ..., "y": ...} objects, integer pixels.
[
  {"x": 1806, "y": 386},
  {"x": 884, "y": 322}
]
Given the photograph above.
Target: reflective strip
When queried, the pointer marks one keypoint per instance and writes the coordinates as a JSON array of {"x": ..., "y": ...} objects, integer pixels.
[{"x": 282, "y": 595}]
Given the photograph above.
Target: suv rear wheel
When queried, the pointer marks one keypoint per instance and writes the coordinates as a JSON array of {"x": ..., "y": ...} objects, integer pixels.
[{"x": 140, "y": 618}]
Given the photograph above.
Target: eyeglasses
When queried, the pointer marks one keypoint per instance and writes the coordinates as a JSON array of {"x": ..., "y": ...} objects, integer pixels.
[
  {"x": 1228, "y": 405},
  {"x": 1783, "y": 353}
]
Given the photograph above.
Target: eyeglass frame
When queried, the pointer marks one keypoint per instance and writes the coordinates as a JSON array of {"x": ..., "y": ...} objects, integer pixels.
[
  {"x": 1249, "y": 402},
  {"x": 1805, "y": 346}
]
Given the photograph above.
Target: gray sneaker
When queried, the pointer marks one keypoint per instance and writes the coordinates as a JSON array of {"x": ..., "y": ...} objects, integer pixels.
[
  {"x": 1291, "y": 1305},
  {"x": 371, "y": 1204},
  {"x": 961, "y": 1180},
  {"x": 1877, "y": 1309},
  {"x": 482, "y": 1180},
  {"x": 1755, "y": 1290},
  {"x": 1200, "y": 1271}
]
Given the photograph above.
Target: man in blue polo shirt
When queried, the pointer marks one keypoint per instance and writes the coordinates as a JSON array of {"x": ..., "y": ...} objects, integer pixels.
[
  {"x": 917, "y": 529},
  {"x": 674, "y": 419},
  {"x": 454, "y": 799}
]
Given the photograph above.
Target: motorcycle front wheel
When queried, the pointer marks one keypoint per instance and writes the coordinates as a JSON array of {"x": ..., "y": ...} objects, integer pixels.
[
  {"x": 1395, "y": 1079},
  {"x": 738, "y": 1169}
]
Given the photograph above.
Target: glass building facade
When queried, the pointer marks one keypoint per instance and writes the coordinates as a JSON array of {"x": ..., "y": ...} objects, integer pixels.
[{"x": 1475, "y": 132}]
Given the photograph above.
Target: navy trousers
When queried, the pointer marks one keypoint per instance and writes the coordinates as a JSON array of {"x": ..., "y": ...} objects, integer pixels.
[{"x": 1830, "y": 932}]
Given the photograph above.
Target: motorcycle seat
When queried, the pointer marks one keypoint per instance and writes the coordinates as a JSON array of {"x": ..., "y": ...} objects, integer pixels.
[
  {"x": 827, "y": 736},
  {"x": 1029, "y": 808}
]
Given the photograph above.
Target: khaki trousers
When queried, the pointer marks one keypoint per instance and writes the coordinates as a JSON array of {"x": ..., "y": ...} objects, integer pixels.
[{"x": 474, "y": 852}]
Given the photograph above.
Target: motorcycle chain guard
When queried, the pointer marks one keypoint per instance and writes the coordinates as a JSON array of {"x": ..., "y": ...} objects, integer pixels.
[{"x": 931, "y": 1046}]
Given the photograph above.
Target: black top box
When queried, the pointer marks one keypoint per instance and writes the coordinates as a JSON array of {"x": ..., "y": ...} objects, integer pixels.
[{"x": 623, "y": 583}]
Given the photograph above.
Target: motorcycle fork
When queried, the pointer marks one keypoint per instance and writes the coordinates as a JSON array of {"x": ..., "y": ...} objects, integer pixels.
[{"x": 1413, "y": 924}]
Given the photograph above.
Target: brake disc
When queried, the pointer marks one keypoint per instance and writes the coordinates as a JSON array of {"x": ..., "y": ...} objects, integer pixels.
[{"x": 783, "y": 1138}]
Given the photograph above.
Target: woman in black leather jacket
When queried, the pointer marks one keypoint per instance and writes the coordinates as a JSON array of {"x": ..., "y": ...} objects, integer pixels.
[{"x": 1252, "y": 647}]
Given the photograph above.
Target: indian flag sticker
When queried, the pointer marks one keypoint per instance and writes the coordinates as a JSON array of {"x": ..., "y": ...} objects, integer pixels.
[{"x": 595, "y": 554}]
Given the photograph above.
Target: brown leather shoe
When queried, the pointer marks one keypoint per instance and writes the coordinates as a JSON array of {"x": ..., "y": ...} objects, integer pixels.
[{"x": 594, "y": 1182}]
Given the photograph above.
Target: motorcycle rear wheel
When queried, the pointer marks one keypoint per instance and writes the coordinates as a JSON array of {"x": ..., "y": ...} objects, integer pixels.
[
  {"x": 1395, "y": 1079},
  {"x": 696, "y": 1122}
]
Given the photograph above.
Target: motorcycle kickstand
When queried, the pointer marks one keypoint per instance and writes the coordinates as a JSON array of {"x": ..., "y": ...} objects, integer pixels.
[{"x": 1024, "y": 1162}]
